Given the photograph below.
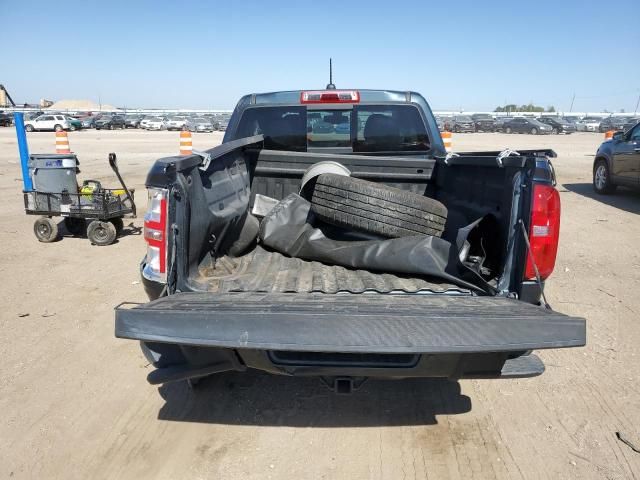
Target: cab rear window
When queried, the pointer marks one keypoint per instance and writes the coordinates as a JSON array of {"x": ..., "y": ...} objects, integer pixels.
[{"x": 362, "y": 128}]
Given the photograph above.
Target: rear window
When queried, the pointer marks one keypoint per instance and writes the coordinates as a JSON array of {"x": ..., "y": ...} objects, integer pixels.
[{"x": 363, "y": 128}]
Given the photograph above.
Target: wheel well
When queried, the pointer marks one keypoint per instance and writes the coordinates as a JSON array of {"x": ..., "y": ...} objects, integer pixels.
[{"x": 598, "y": 159}]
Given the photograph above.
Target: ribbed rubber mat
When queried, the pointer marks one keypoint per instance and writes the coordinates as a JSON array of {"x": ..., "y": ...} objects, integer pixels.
[{"x": 266, "y": 271}]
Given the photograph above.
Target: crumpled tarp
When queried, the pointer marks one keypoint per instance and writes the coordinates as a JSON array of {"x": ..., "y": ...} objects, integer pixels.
[{"x": 290, "y": 228}]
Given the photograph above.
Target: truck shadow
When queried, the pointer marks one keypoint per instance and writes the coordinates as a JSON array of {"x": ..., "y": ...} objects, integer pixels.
[
  {"x": 623, "y": 198},
  {"x": 255, "y": 398}
]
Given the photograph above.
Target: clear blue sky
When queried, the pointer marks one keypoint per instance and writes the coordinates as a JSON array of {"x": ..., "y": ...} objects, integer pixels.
[{"x": 474, "y": 55}]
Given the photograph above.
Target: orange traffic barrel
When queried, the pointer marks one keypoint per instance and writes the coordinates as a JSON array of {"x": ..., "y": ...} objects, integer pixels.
[
  {"x": 62, "y": 142},
  {"x": 447, "y": 139},
  {"x": 608, "y": 135},
  {"x": 186, "y": 145}
]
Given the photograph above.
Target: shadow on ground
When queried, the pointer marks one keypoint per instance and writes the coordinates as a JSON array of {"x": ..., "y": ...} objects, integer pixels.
[
  {"x": 255, "y": 398},
  {"x": 623, "y": 198}
]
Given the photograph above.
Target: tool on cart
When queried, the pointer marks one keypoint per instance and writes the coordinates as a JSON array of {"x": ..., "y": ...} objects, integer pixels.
[{"x": 92, "y": 208}]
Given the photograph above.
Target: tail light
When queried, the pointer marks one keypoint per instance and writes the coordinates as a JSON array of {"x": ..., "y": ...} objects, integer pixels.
[
  {"x": 544, "y": 231},
  {"x": 155, "y": 234},
  {"x": 330, "y": 96}
]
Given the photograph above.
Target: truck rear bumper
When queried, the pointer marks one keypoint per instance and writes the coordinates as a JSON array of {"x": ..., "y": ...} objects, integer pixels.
[{"x": 357, "y": 335}]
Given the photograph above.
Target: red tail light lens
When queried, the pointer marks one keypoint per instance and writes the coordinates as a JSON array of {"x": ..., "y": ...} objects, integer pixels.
[
  {"x": 544, "y": 231},
  {"x": 155, "y": 234},
  {"x": 330, "y": 96}
]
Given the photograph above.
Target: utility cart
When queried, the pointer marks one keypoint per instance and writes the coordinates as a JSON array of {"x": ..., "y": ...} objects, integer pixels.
[{"x": 89, "y": 208}]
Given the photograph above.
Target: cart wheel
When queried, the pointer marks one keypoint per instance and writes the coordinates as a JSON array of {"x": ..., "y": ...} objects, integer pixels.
[
  {"x": 118, "y": 223},
  {"x": 46, "y": 229},
  {"x": 101, "y": 233},
  {"x": 75, "y": 226}
]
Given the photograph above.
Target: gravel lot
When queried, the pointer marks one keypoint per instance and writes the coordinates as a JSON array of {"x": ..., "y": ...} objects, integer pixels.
[{"x": 75, "y": 403}]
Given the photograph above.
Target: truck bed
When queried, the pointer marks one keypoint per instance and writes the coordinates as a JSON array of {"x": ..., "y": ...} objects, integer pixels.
[{"x": 262, "y": 270}]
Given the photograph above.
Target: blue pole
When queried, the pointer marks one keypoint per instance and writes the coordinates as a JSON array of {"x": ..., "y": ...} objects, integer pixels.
[{"x": 23, "y": 148}]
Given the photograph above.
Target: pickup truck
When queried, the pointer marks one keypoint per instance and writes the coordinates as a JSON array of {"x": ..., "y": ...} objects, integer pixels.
[{"x": 216, "y": 307}]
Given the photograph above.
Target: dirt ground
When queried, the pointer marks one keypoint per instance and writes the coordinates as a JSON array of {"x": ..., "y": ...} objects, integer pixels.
[{"x": 75, "y": 403}]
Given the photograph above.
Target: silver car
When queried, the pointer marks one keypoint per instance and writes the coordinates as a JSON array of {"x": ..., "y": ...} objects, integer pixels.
[{"x": 199, "y": 124}]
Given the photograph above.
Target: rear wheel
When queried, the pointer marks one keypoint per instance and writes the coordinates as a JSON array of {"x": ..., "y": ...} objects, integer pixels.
[
  {"x": 101, "y": 233},
  {"x": 58, "y": 128},
  {"x": 508, "y": 130},
  {"x": 75, "y": 226},
  {"x": 534, "y": 131},
  {"x": 46, "y": 229},
  {"x": 375, "y": 208},
  {"x": 602, "y": 178},
  {"x": 29, "y": 128},
  {"x": 555, "y": 131}
]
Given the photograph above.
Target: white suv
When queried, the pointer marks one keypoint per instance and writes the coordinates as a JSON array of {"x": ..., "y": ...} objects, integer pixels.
[{"x": 47, "y": 122}]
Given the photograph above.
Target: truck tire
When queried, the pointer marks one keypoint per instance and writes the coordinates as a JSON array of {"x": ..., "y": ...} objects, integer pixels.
[
  {"x": 602, "y": 178},
  {"x": 375, "y": 208},
  {"x": 101, "y": 233},
  {"x": 46, "y": 230}
]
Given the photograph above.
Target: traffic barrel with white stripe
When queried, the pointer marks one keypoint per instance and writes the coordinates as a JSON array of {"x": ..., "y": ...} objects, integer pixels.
[
  {"x": 186, "y": 145},
  {"x": 447, "y": 139},
  {"x": 608, "y": 135},
  {"x": 62, "y": 142}
]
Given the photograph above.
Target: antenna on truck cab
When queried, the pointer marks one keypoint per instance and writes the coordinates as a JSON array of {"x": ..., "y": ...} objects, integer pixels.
[{"x": 330, "y": 85}]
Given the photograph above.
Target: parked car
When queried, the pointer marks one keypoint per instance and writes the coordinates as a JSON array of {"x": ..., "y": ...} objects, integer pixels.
[
  {"x": 222, "y": 125},
  {"x": 74, "y": 123},
  {"x": 612, "y": 123},
  {"x": 109, "y": 122},
  {"x": 462, "y": 123},
  {"x": 499, "y": 123},
  {"x": 630, "y": 123},
  {"x": 155, "y": 123},
  {"x": 526, "y": 125},
  {"x": 47, "y": 122},
  {"x": 483, "y": 122},
  {"x": 88, "y": 122},
  {"x": 199, "y": 124},
  {"x": 175, "y": 123},
  {"x": 573, "y": 120},
  {"x": 33, "y": 115},
  {"x": 145, "y": 120},
  {"x": 617, "y": 162},
  {"x": 588, "y": 124},
  {"x": 224, "y": 302},
  {"x": 132, "y": 121},
  {"x": 6, "y": 119},
  {"x": 558, "y": 125}
]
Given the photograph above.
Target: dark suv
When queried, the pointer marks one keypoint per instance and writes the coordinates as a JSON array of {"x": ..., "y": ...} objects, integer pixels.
[
  {"x": 463, "y": 123},
  {"x": 483, "y": 122},
  {"x": 617, "y": 162},
  {"x": 612, "y": 123},
  {"x": 110, "y": 122},
  {"x": 558, "y": 125},
  {"x": 5, "y": 119}
]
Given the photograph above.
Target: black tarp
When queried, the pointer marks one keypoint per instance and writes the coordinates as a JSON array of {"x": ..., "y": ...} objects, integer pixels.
[{"x": 290, "y": 228}]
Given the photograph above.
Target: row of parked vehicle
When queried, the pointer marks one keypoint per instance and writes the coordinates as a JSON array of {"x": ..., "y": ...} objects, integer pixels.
[
  {"x": 40, "y": 121},
  {"x": 545, "y": 124}
]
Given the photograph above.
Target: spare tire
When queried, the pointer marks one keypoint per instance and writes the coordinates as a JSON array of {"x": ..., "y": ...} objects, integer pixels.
[{"x": 375, "y": 208}]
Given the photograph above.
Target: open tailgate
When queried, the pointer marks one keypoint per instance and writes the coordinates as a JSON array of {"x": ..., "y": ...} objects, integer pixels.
[{"x": 372, "y": 323}]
